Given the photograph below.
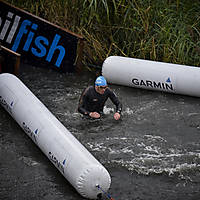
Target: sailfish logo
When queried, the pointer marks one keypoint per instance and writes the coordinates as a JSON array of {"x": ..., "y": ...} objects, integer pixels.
[{"x": 28, "y": 37}]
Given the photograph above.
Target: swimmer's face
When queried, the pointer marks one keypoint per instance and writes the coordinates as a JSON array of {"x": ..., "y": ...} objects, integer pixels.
[{"x": 101, "y": 89}]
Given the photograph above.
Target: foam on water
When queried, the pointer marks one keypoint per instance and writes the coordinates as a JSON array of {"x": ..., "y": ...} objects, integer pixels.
[
  {"x": 107, "y": 110},
  {"x": 126, "y": 111},
  {"x": 149, "y": 155},
  {"x": 28, "y": 161}
]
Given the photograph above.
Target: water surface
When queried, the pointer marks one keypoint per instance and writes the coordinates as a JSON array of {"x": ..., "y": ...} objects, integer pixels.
[{"x": 153, "y": 152}]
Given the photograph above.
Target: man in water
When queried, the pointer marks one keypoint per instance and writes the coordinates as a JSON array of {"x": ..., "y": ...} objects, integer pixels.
[{"x": 93, "y": 99}]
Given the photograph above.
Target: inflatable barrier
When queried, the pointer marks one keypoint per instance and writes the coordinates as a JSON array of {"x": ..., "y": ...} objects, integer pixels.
[
  {"x": 70, "y": 157},
  {"x": 173, "y": 78}
]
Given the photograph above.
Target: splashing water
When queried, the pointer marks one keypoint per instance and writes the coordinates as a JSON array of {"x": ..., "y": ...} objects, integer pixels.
[{"x": 150, "y": 154}]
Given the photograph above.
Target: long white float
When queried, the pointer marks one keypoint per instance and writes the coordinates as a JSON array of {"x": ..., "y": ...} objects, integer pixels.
[
  {"x": 71, "y": 158},
  {"x": 146, "y": 74}
]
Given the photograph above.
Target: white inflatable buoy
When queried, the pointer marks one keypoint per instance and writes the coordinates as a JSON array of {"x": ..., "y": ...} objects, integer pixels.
[
  {"x": 70, "y": 157},
  {"x": 146, "y": 74}
]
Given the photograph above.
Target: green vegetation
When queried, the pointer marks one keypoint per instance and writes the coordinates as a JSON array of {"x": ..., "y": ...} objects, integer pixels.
[{"x": 161, "y": 30}]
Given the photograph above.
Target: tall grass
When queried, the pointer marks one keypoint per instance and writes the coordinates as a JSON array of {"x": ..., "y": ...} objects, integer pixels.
[{"x": 161, "y": 30}]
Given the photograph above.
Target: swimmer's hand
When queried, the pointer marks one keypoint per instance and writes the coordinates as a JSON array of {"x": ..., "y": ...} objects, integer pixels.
[
  {"x": 117, "y": 116},
  {"x": 95, "y": 115}
]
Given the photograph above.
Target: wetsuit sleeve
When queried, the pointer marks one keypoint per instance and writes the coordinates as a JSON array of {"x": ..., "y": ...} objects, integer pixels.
[
  {"x": 82, "y": 102},
  {"x": 115, "y": 100}
]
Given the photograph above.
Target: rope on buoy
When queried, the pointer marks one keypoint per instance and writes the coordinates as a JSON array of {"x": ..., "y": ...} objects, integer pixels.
[{"x": 106, "y": 193}]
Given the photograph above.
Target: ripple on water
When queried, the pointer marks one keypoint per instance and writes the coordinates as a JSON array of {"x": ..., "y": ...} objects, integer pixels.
[
  {"x": 149, "y": 155},
  {"x": 28, "y": 161}
]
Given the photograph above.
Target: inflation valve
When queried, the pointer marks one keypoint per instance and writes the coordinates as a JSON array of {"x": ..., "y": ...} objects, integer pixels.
[{"x": 99, "y": 196}]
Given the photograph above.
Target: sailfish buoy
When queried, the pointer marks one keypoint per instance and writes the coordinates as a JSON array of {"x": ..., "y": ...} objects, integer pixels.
[
  {"x": 69, "y": 156},
  {"x": 152, "y": 75}
]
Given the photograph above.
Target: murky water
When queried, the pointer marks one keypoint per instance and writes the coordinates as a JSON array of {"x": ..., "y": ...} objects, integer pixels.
[{"x": 153, "y": 152}]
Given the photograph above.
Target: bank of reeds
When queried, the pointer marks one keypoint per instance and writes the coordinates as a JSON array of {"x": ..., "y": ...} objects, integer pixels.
[{"x": 161, "y": 30}]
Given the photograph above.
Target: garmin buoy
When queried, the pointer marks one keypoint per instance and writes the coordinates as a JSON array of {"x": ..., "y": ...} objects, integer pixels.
[{"x": 152, "y": 75}]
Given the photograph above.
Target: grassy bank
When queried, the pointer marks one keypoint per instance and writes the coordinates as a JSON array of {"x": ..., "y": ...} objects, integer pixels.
[{"x": 161, "y": 30}]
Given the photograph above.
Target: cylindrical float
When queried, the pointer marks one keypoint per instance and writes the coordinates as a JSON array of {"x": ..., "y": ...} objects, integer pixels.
[
  {"x": 146, "y": 74},
  {"x": 70, "y": 157}
]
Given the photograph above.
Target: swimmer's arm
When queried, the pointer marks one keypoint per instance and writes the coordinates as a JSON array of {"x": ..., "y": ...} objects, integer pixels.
[
  {"x": 82, "y": 102},
  {"x": 115, "y": 101}
]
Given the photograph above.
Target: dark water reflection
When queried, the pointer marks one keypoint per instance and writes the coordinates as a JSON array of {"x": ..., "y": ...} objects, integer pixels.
[{"x": 153, "y": 152}]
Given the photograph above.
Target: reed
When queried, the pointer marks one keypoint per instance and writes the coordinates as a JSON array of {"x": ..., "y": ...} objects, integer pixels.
[{"x": 161, "y": 30}]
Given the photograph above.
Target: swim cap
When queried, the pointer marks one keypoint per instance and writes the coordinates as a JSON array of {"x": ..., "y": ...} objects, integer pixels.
[{"x": 100, "y": 81}]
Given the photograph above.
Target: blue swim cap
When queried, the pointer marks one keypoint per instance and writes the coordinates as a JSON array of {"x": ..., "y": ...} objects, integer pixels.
[{"x": 100, "y": 81}]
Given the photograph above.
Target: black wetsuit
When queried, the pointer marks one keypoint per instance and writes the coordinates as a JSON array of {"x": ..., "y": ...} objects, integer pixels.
[{"x": 92, "y": 101}]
